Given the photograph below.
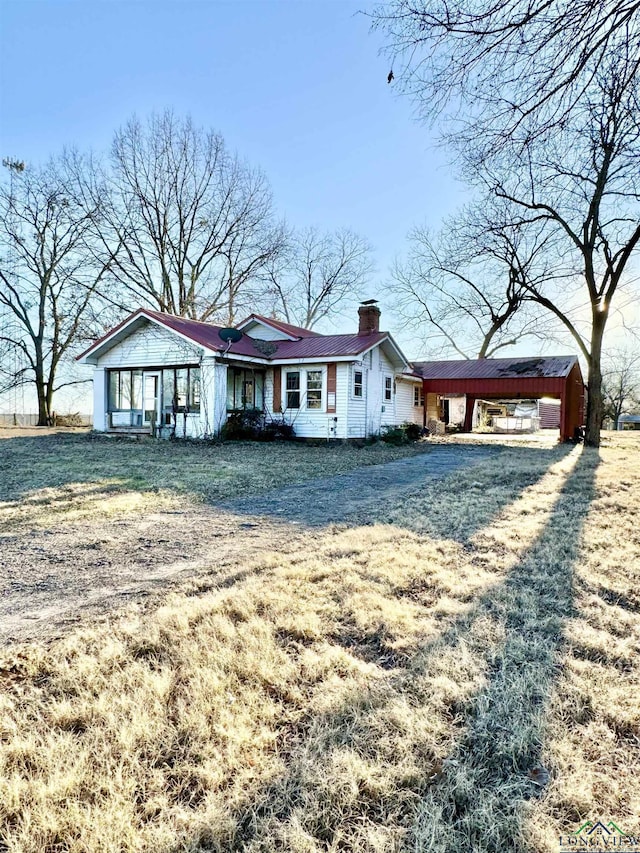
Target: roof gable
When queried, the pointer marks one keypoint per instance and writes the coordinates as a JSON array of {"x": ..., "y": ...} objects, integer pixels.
[
  {"x": 312, "y": 346},
  {"x": 275, "y": 329}
]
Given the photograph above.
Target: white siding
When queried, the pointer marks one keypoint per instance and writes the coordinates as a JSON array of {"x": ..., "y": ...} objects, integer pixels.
[
  {"x": 150, "y": 346},
  {"x": 406, "y": 411},
  {"x": 265, "y": 333},
  {"x": 343, "y": 403},
  {"x": 387, "y": 408},
  {"x": 309, "y": 423},
  {"x": 312, "y": 423},
  {"x": 357, "y": 406},
  {"x": 190, "y": 426}
]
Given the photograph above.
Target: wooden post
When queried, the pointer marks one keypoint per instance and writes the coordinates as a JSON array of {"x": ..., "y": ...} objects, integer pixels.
[{"x": 468, "y": 413}]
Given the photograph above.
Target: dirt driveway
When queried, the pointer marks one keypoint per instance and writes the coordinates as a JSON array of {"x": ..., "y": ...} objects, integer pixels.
[{"x": 52, "y": 577}]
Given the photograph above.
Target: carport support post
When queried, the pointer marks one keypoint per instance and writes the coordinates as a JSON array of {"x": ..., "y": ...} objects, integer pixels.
[{"x": 468, "y": 413}]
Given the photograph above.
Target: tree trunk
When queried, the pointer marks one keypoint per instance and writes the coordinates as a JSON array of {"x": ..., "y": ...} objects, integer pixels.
[
  {"x": 44, "y": 414},
  {"x": 44, "y": 391},
  {"x": 595, "y": 406}
]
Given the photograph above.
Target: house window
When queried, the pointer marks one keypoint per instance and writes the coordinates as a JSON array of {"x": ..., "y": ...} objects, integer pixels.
[
  {"x": 388, "y": 388},
  {"x": 357, "y": 383},
  {"x": 293, "y": 389},
  {"x": 304, "y": 389},
  {"x": 418, "y": 395},
  {"x": 314, "y": 389}
]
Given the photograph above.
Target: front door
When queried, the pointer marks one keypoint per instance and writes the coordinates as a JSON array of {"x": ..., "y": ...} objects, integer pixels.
[{"x": 150, "y": 399}]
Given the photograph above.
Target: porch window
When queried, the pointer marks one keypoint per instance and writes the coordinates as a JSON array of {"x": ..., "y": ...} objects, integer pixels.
[
  {"x": 180, "y": 391},
  {"x": 179, "y": 388},
  {"x": 245, "y": 389},
  {"x": 418, "y": 395},
  {"x": 182, "y": 385},
  {"x": 357, "y": 383},
  {"x": 125, "y": 390},
  {"x": 293, "y": 389},
  {"x": 314, "y": 389}
]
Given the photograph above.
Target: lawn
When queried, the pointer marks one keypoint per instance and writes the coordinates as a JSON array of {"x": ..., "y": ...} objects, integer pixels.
[
  {"x": 457, "y": 671},
  {"x": 33, "y": 468}
]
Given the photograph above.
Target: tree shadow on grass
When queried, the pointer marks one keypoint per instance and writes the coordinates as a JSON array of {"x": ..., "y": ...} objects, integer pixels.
[
  {"x": 464, "y": 788},
  {"x": 450, "y": 492},
  {"x": 494, "y": 767}
]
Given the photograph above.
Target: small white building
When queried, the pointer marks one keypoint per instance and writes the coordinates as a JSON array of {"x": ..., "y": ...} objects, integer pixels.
[{"x": 162, "y": 374}]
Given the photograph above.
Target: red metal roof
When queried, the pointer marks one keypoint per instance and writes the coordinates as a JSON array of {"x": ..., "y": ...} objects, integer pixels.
[
  {"x": 327, "y": 345},
  {"x": 497, "y": 368},
  {"x": 279, "y": 325},
  {"x": 309, "y": 347},
  {"x": 207, "y": 335}
]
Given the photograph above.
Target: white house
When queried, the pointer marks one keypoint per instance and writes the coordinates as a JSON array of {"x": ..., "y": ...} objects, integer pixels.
[{"x": 159, "y": 373}]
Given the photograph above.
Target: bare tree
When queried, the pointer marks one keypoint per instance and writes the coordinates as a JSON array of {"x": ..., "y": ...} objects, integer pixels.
[
  {"x": 543, "y": 113},
  {"x": 504, "y": 70},
  {"x": 621, "y": 383},
  {"x": 48, "y": 275},
  {"x": 584, "y": 188},
  {"x": 195, "y": 223},
  {"x": 466, "y": 290},
  {"x": 318, "y": 274}
]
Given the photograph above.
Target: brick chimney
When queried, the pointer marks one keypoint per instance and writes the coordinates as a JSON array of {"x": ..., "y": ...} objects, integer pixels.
[{"x": 369, "y": 316}]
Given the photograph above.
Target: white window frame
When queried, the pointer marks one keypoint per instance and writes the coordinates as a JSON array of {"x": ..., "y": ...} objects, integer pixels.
[
  {"x": 303, "y": 371},
  {"x": 388, "y": 377},
  {"x": 355, "y": 396},
  {"x": 323, "y": 403},
  {"x": 418, "y": 392},
  {"x": 286, "y": 391}
]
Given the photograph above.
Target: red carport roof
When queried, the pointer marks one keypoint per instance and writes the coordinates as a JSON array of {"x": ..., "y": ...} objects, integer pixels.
[{"x": 536, "y": 367}]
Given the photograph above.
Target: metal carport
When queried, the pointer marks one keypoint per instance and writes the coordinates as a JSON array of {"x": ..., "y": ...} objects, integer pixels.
[{"x": 510, "y": 379}]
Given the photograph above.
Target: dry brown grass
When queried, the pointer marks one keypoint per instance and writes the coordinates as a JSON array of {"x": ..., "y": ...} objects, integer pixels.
[
  {"x": 392, "y": 685},
  {"x": 70, "y": 475}
]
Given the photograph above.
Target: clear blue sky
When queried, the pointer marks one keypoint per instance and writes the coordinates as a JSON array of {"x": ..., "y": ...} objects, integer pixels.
[{"x": 298, "y": 87}]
